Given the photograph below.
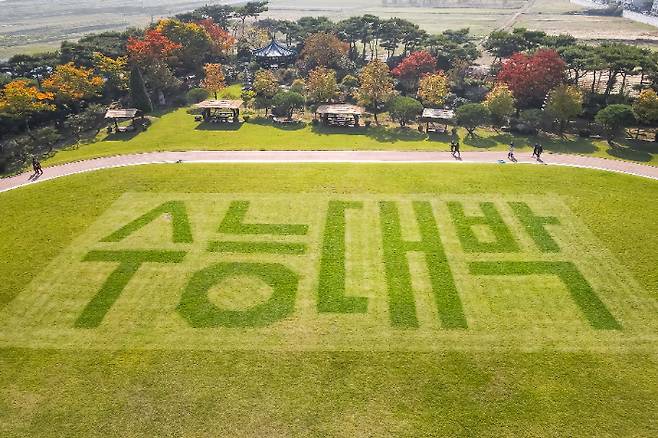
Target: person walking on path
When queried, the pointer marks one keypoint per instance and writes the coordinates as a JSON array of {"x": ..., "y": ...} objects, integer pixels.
[
  {"x": 538, "y": 150},
  {"x": 510, "y": 153},
  {"x": 36, "y": 166},
  {"x": 534, "y": 150},
  {"x": 456, "y": 152}
]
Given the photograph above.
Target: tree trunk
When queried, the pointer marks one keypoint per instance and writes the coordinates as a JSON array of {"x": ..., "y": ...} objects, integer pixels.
[
  {"x": 594, "y": 82},
  {"x": 611, "y": 83}
]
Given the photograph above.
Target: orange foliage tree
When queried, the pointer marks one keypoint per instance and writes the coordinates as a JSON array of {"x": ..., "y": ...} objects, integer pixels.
[
  {"x": 20, "y": 99},
  {"x": 193, "y": 40},
  {"x": 71, "y": 84},
  {"x": 222, "y": 41},
  {"x": 376, "y": 87},
  {"x": 154, "y": 46},
  {"x": 215, "y": 81}
]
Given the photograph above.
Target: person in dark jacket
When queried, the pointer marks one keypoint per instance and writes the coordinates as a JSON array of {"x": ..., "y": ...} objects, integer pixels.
[{"x": 36, "y": 166}]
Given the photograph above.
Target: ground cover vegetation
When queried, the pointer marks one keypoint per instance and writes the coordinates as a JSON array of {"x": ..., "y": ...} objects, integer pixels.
[
  {"x": 177, "y": 131},
  {"x": 543, "y": 85},
  {"x": 494, "y": 299}
]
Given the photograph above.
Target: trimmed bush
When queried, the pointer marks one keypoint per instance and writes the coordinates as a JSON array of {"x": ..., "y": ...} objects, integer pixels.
[{"x": 196, "y": 95}]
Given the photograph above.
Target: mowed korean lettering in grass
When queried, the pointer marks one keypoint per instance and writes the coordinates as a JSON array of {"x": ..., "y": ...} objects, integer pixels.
[{"x": 327, "y": 272}]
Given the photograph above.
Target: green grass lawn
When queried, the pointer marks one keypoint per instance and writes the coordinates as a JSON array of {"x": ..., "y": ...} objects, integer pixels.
[
  {"x": 522, "y": 346},
  {"x": 177, "y": 131}
]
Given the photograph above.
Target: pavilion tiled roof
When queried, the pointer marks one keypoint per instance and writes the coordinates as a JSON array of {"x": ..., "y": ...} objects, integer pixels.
[{"x": 274, "y": 50}]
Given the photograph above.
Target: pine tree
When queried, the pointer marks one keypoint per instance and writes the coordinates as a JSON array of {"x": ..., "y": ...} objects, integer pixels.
[{"x": 138, "y": 93}]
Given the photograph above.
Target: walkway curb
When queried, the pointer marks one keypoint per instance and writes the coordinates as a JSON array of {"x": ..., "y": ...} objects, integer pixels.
[{"x": 281, "y": 157}]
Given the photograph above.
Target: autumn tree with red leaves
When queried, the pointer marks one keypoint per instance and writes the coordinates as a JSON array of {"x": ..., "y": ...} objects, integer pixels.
[
  {"x": 413, "y": 68},
  {"x": 531, "y": 76},
  {"x": 222, "y": 41},
  {"x": 154, "y": 46}
]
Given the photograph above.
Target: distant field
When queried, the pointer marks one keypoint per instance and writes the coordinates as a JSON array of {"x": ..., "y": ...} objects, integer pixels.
[{"x": 29, "y": 25}]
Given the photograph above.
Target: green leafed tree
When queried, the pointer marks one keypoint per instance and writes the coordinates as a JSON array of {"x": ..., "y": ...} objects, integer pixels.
[
  {"x": 501, "y": 104},
  {"x": 564, "y": 103},
  {"x": 404, "y": 109},
  {"x": 286, "y": 103},
  {"x": 614, "y": 119},
  {"x": 646, "y": 107},
  {"x": 138, "y": 94},
  {"x": 266, "y": 87},
  {"x": 471, "y": 115}
]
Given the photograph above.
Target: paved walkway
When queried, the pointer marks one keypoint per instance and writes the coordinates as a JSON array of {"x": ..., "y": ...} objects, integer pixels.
[{"x": 323, "y": 157}]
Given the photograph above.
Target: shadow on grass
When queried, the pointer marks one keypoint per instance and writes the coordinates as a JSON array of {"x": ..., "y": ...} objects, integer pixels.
[
  {"x": 121, "y": 136},
  {"x": 627, "y": 151},
  {"x": 439, "y": 138},
  {"x": 506, "y": 138},
  {"x": 480, "y": 142},
  {"x": 380, "y": 134},
  {"x": 577, "y": 145},
  {"x": 206, "y": 126},
  {"x": 261, "y": 121},
  {"x": 159, "y": 112}
]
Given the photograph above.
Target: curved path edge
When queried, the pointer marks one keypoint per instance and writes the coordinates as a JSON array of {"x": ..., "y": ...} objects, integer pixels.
[{"x": 322, "y": 157}]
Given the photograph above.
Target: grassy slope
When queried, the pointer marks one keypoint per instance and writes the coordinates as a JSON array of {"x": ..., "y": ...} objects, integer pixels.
[
  {"x": 204, "y": 394},
  {"x": 178, "y": 131}
]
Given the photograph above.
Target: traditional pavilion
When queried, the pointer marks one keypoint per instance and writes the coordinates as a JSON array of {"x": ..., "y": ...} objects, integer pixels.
[
  {"x": 220, "y": 110},
  {"x": 119, "y": 115},
  {"x": 274, "y": 55},
  {"x": 437, "y": 120},
  {"x": 340, "y": 114}
]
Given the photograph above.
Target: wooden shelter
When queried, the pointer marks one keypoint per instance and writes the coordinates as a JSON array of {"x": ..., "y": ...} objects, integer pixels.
[
  {"x": 118, "y": 115},
  {"x": 274, "y": 55},
  {"x": 340, "y": 114},
  {"x": 220, "y": 110},
  {"x": 437, "y": 120}
]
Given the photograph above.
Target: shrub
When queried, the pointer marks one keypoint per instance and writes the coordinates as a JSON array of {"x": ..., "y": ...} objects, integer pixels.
[
  {"x": 471, "y": 115},
  {"x": 298, "y": 86},
  {"x": 196, "y": 95},
  {"x": 614, "y": 118},
  {"x": 404, "y": 109},
  {"x": 285, "y": 103}
]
